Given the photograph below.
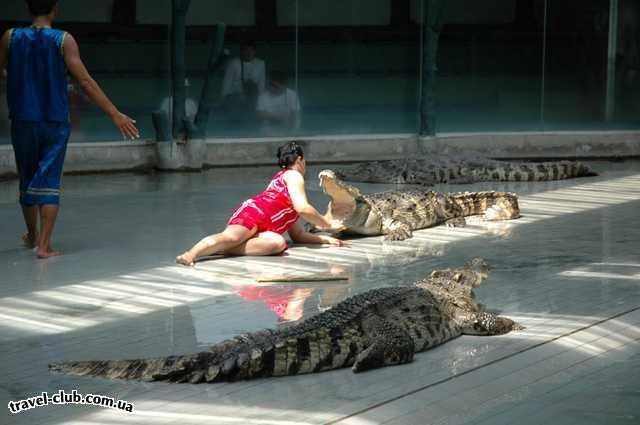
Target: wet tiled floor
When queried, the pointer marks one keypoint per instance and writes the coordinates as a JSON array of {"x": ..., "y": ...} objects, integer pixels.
[{"x": 568, "y": 270}]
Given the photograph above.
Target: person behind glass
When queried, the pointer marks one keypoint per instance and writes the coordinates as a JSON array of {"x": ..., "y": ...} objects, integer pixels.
[
  {"x": 244, "y": 80},
  {"x": 191, "y": 107},
  {"x": 257, "y": 226},
  {"x": 37, "y": 59},
  {"x": 278, "y": 106}
]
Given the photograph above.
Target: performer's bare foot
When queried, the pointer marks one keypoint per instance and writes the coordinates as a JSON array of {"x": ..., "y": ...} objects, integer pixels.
[
  {"x": 186, "y": 259},
  {"x": 47, "y": 253},
  {"x": 29, "y": 240}
]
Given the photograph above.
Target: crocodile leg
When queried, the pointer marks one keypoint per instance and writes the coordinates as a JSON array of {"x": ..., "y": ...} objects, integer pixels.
[
  {"x": 486, "y": 324},
  {"x": 396, "y": 230},
  {"x": 391, "y": 345},
  {"x": 456, "y": 222},
  {"x": 502, "y": 210}
]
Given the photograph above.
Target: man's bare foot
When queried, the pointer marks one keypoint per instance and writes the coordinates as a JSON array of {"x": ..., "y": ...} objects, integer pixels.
[
  {"x": 185, "y": 259},
  {"x": 29, "y": 240},
  {"x": 47, "y": 253}
]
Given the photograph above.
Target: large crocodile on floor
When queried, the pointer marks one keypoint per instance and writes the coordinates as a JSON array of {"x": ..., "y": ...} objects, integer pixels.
[
  {"x": 396, "y": 213},
  {"x": 380, "y": 327},
  {"x": 444, "y": 169}
]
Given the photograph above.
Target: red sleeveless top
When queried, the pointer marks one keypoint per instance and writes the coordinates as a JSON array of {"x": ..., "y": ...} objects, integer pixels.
[{"x": 272, "y": 210}]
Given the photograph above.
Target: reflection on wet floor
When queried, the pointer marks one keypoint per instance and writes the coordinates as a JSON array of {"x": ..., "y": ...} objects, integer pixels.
[
  {"x": 291, "y": 304},
  {"x": 568, "y": 269}
]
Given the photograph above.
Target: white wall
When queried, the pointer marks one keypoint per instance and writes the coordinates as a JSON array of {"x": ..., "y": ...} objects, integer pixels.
[
  {"x": 335, "y": 12},
  {"x": 70, "y": 10},
  {"x": 201, "y": 12},
  {"x": 472, "y": 11}
]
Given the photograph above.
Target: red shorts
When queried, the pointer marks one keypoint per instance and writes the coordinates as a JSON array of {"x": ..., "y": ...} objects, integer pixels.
[{"x": 249, "y": 215}]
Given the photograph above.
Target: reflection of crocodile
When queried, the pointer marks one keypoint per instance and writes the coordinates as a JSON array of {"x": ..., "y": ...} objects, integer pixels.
[
  {"x": 381, "y": 327},
  {"x": 396, "y": 213},
  {"x": 443, "y": 169}
]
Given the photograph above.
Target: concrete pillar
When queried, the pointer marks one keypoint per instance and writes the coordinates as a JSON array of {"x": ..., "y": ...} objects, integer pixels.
[
  {"x": 432, "y": 25},
  {"x": 610, "y": 101},
  {"x": 179, "y": 9},
  {"x": 207, "y": 97}
]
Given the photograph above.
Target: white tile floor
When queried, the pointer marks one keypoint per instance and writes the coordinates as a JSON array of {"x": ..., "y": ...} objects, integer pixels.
[{"x": 568, "y": 270}]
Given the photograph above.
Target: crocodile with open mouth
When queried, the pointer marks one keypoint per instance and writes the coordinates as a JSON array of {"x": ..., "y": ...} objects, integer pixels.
[{"x": 396, "y": 213}]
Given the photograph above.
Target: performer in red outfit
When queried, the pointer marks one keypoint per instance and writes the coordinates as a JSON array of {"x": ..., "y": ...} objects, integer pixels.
[
  {"x": 271, "y": 211},
  {"x": 256, "y": 227}
]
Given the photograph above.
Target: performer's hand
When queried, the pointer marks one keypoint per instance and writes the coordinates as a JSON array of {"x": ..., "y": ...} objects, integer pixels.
[
  {"x": 336, "y": 226},
  {"x": 330, "y": 240},
  {"x": 126, "y": 126}
]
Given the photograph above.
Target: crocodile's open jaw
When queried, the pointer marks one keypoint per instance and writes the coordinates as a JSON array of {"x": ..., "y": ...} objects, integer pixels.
[
  {"x": 349, "y": 206},
  {"x": 343, "y": 196}
]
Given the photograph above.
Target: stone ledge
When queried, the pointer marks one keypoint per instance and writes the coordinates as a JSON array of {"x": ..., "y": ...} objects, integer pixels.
[
  {"x": 122, "y": 156},
  {"x": 93, "y": 157}
]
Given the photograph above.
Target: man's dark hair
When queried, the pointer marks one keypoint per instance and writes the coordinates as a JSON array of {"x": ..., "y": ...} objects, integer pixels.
[
  {"x": 289, "y": 153},
  {"x": 41, "y": 7},
  {"x": 278, "y": 76}
]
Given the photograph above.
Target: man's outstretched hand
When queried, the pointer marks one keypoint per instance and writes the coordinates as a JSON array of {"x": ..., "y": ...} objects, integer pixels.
[{"x": 126, "y": 126}]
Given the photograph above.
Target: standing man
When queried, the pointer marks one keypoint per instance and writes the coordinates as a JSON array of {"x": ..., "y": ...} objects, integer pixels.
[{"x": 36, "y": 60}]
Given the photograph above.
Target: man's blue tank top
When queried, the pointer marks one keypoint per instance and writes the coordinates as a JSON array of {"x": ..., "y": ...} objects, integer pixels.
[{"x": 37, "y": 76}]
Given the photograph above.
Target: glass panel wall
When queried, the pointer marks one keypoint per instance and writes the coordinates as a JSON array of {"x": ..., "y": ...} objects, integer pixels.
[
  {"x": 256, "y": 52},
  {"x": 627, "y": 76},
  {"x": 576, "y": 64},
  {"x": 489, "y": 65},
  {"x": 357, "y": 66},
  {"x": 342, "y": 67}
]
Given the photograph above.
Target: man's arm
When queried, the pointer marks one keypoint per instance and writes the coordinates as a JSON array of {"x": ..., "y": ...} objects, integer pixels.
[
  {"x": 77, "y": 69},
  {"x": 4, "y": 52}
]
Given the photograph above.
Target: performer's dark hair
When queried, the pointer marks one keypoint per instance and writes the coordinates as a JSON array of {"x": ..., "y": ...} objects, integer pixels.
[
  {"x": 41, "y": 7},
  {"x": 289, "y": 153}
]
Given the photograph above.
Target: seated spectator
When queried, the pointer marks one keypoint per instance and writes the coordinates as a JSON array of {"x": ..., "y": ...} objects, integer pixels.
[
  {"x": 244, "y": 80},
  {"x": 278, "y": 107}
]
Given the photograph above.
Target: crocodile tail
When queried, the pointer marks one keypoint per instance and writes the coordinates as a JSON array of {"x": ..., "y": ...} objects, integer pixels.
[
  {"x": 546, "y": 171},
  {"x": 573, "y": 169},
  {"x": 493, "y": 205},
  {"x": 542, "y": 171},
  {"x": 244, "y": 357},
  {"x": 172, "y": 368}
]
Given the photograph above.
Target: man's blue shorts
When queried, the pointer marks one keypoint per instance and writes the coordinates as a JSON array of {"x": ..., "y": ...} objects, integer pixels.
[{"x": 40, "y": 148}]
